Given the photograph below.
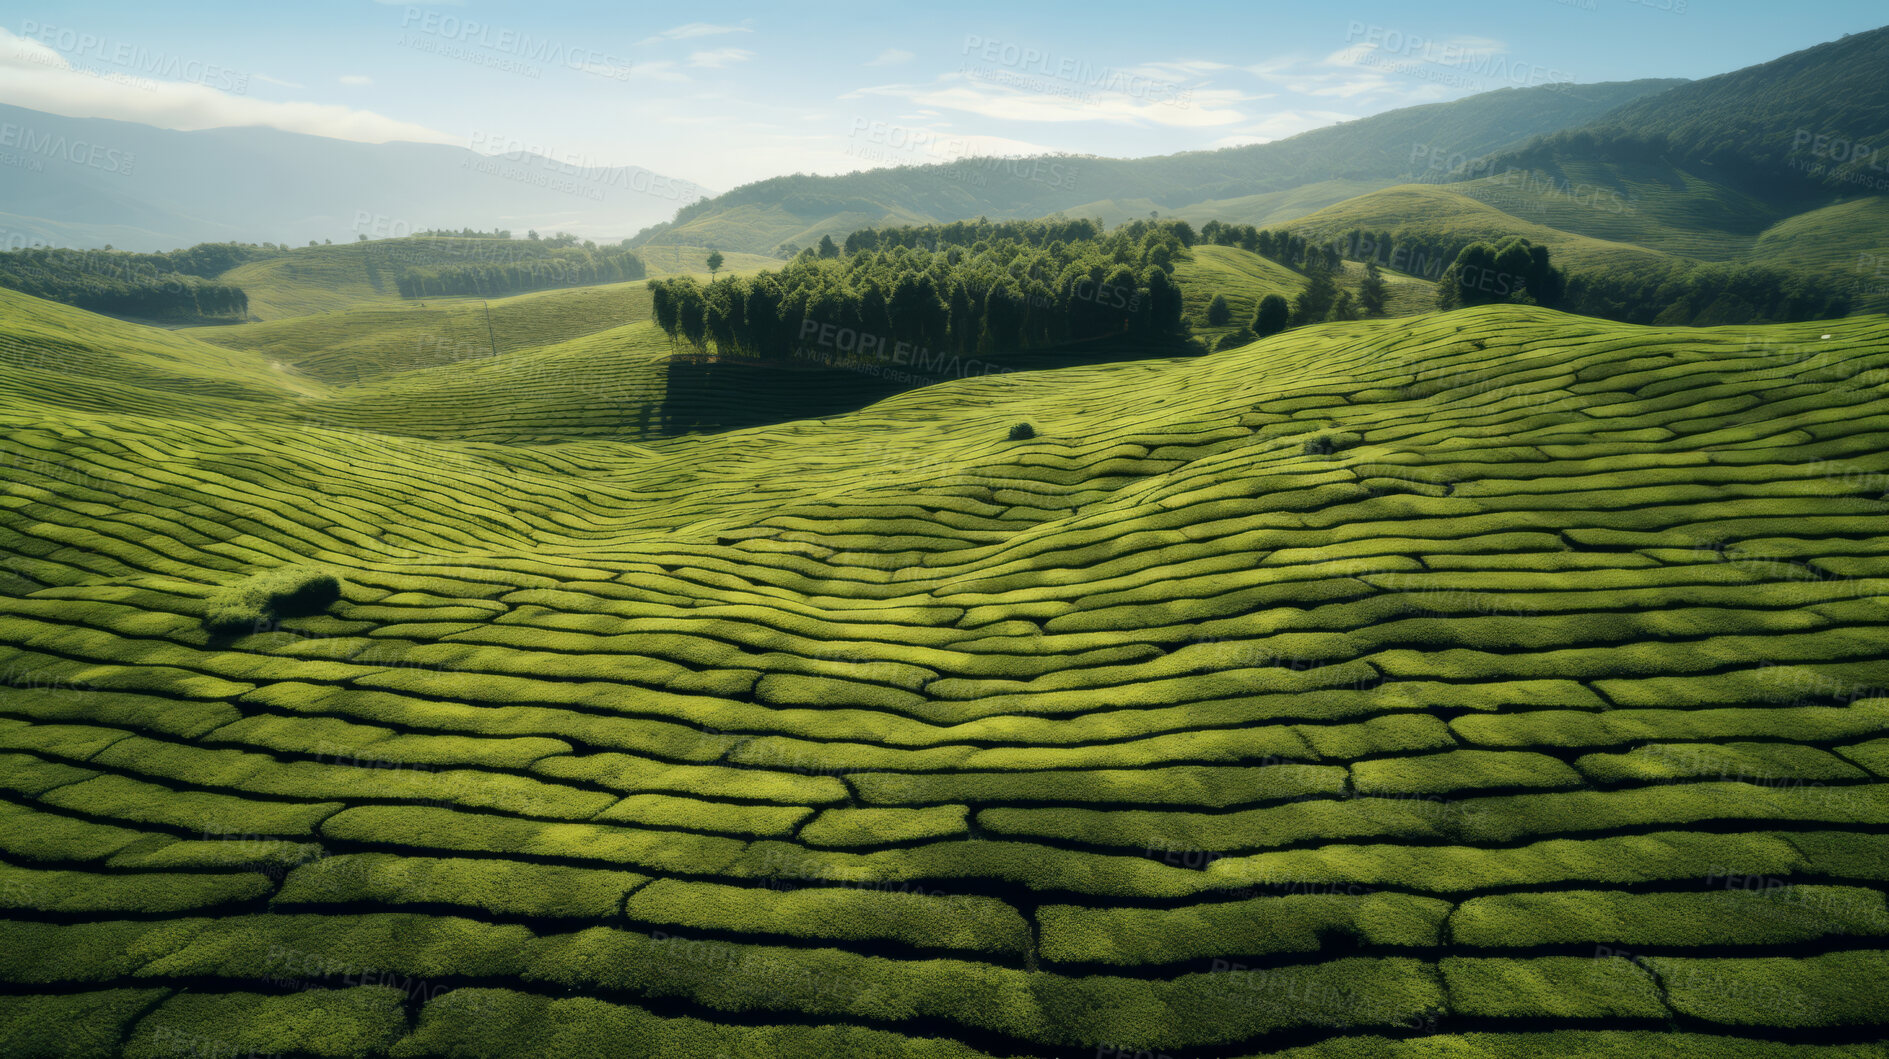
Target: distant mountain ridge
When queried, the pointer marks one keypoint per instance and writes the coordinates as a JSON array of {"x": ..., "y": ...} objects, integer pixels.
[
  {"x": 88, "y": 182},
  {"x": 1394, "y": 147}
]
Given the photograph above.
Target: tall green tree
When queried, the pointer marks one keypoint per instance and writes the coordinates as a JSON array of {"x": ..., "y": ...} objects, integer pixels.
[
  {"x": 1219, "y": 313},
  {"x": 714, "y": 263},
  {"x": 1372, "y": 292},
  {"x": 1313, "y": 304},
  {"x": 1272, "y": 316}
]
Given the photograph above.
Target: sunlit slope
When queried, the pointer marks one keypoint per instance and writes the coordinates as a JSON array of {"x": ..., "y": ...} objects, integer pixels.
[
  {"x": 355, "y": 344},
  {"x": 1848, "y": 242},
  {"x": 1260, "y": 210},
  {"x": 1244, "y": 278},
  {"x": 340, "y": 277},
  {"x": 1659, "y": 206},
  {"x": 1498, "y": 682},
  {"x": 58, "y": 350},
  {"x": 1441, "y": 211}
]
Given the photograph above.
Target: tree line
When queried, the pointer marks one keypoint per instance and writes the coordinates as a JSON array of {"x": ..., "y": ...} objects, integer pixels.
[
  {"x": 559, "y": 266},
  {"x": 1477, "y": 271},
  {"x": 968, "y": 287},
  {"x": 173, "y": 285}
]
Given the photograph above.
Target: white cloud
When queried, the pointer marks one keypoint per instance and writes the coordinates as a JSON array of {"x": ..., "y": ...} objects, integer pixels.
[
  {"x": 356, "y": 79},
  {"x": 694, "y": 29},
  {"x": 891, "y": 57},
  {"x": 1281, "y": 124},
  {"x": 716, "y": 58},
  {"x": 996, "y": 94},
  {"x": 38, "y": 78},
  {"x": 276, "y": 81}
]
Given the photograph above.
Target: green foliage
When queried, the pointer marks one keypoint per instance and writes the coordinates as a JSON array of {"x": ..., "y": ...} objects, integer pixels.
[
  {"x": 1218, "y": 313},
  {"x": 178, "y": 285},
  {"x": 522, "y": 266},
  {"x": 1515, "y": 271},
  {"x": 913, "y": 295},
  {"x": 1372, "y": 292},
  {"x": 323, "y": 1022},
  {"x": 1022, "y": 432},
  {"x": 260, "y": 600},
  {"x": 1273, "y": 316}
]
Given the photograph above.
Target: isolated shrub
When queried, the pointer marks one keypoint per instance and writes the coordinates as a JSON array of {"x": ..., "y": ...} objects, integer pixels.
[
  {"x": 1219, "y": 314},
  {"x": 1272, "y": 316},
  {"x": 260, "y": 600},
  {"x": 1022, "y": 432}
]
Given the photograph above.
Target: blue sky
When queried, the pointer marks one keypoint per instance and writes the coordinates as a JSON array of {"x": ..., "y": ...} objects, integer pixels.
[{"x": 729, "y": 93}]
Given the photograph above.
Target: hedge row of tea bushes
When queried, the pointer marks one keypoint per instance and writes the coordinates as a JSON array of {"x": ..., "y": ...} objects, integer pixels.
[{"x": 1494, "y": 682}]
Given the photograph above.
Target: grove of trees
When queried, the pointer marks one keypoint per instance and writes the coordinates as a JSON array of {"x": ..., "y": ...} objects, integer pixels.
[{"x": 969, "y": 287}]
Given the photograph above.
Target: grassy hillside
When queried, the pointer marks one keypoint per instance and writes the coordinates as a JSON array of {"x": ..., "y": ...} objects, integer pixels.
[
  {"x": 1447, "y": 211},
  {"x": 1849, "y": 241},
  {"x": 1657, "y": 205},
  {"x": 354, "y": 344},
  {"x": 1258, "y": 210},
  {"x": 1244, "y": 278},
  {"x": 63, "y": 345},
  {"x": 321, "y": 279},
  {"x": 1496, "y": 683}
]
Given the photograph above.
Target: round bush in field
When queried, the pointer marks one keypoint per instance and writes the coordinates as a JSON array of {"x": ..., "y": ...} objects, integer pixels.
[
  {"x": 261, "y": 599},
  {"x": 1022, "y": 432}
]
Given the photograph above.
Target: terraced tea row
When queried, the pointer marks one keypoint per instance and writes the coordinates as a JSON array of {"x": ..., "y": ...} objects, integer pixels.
[{"x": 1496, "y": 681}]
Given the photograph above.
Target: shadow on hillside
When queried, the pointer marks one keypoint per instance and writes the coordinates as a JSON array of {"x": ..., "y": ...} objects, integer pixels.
[{"x": 709, "y": 395}]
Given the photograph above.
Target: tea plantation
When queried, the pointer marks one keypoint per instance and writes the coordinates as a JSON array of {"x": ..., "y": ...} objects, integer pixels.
[{"x": 1489, "y": 683}]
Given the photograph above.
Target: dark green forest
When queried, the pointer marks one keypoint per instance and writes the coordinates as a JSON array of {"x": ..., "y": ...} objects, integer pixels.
[
  {"x": 969, "y": 287},
  {"x": 173, "y": 285}
]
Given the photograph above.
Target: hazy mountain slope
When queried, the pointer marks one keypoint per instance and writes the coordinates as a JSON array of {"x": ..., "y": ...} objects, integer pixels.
[
  {"x": 145, "y": 188},
  {"x": 1794, "y": 130},
  {"x": 1390, "y": 147}
]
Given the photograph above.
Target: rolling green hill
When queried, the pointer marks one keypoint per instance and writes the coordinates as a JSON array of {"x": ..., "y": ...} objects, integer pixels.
[
  {"x": 1657, "y": 205},
  {"x": 1445, "y": 211},
  {"x": 1848, "y": 241},
  {"x": 357, "y": 343},
  {"x": 320, "y": 279},
  {"x": 1496, "y": 682},
  {"x": 1244, "y": 278}
]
